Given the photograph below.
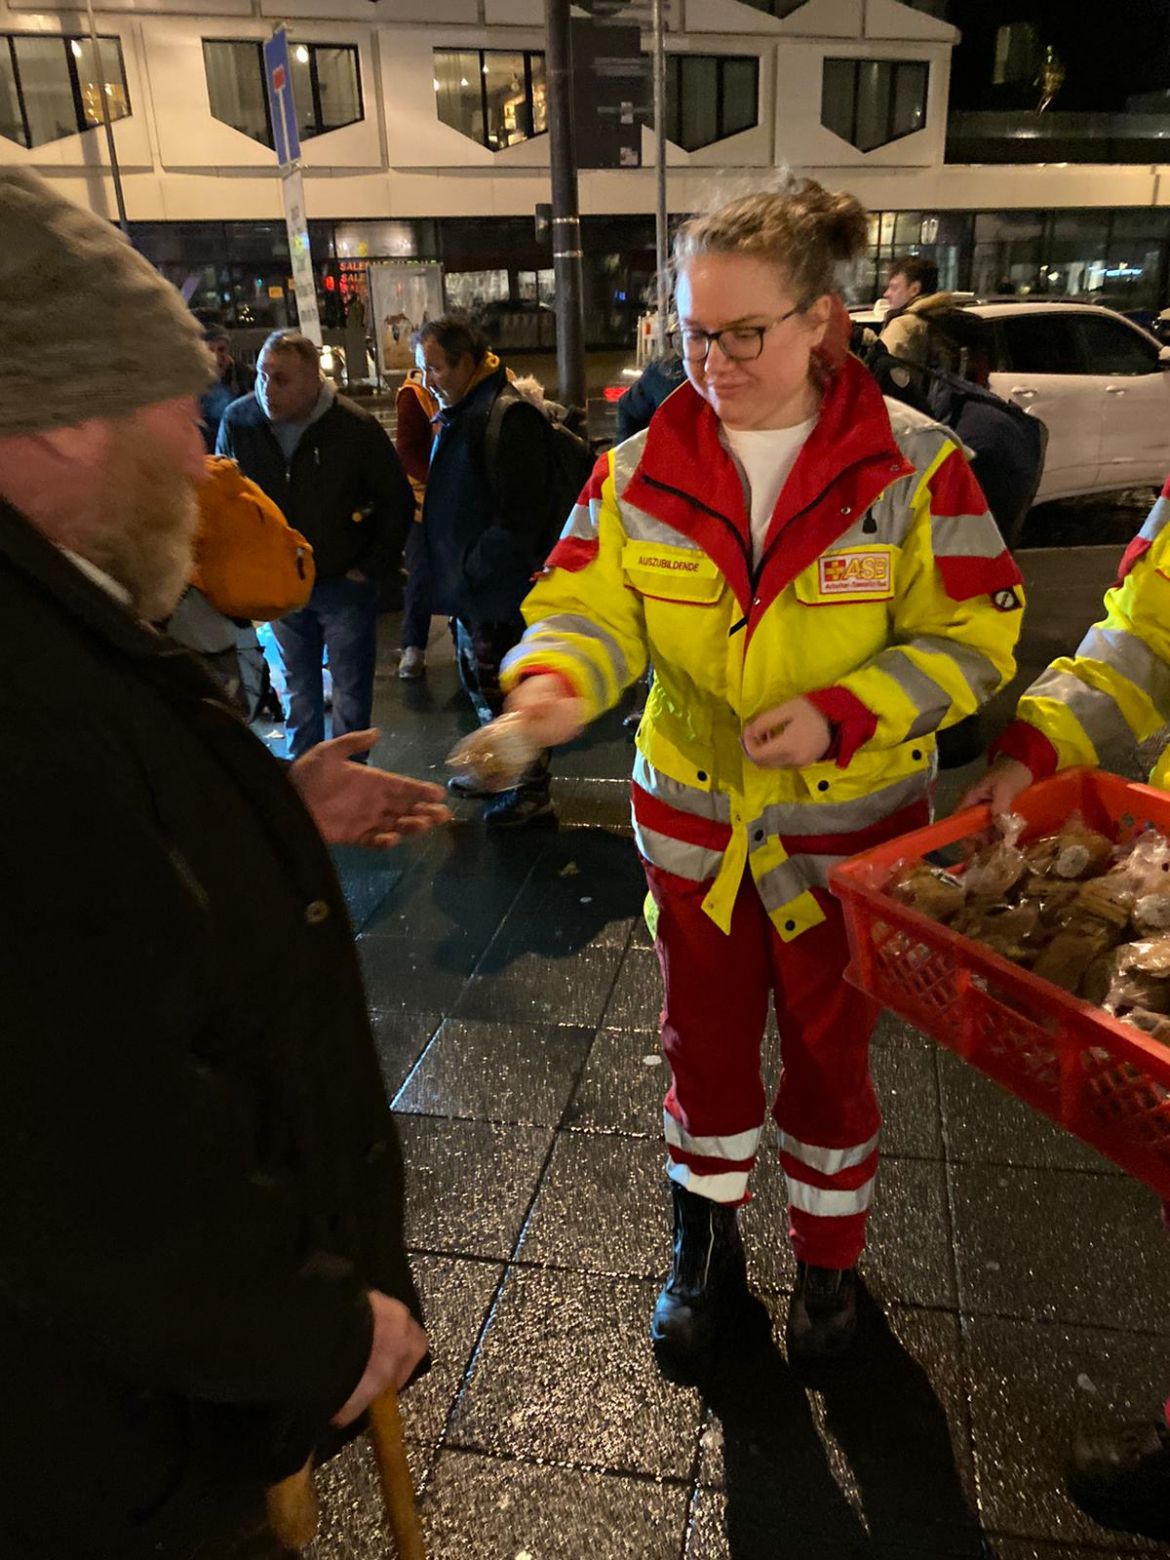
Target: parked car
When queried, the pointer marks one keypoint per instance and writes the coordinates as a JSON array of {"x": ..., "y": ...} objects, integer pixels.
[{"x": 1100, "y": 383}]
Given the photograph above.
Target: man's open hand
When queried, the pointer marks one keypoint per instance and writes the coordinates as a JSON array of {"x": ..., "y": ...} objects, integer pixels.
[{"x": 356, "y": 804}]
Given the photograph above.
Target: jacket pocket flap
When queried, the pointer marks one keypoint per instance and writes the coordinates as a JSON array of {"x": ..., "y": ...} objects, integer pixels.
[{"x": 671, "y": 573}]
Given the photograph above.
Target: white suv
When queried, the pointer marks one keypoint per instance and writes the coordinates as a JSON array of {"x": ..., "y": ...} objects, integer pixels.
[{"x": 1099, "y": 383}]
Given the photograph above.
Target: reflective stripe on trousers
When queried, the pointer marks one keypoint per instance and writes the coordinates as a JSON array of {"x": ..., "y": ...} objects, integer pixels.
[{"x": 717, "y": 990}]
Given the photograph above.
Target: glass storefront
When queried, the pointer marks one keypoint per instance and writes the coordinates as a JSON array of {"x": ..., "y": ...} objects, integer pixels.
[{"x": 239, "y": 271}]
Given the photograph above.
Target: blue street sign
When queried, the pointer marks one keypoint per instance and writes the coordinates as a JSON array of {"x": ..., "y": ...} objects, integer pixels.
[{"x": 278, "y": 78}]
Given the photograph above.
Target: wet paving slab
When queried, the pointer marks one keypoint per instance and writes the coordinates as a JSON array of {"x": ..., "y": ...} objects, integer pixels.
[{"x": 1015, "y": 1283}]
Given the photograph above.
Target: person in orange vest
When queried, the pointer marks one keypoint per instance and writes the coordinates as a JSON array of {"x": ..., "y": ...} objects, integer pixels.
[
  {"x": 816, "y": 578},
  {"x": 416, "y": 410}
]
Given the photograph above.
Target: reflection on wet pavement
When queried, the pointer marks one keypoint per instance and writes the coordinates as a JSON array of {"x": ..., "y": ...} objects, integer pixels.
[{"x": 1016, "y": 1284}]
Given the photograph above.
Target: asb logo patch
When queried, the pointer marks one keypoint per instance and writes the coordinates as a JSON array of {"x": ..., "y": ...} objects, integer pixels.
[{"x": 855, "y": 574}]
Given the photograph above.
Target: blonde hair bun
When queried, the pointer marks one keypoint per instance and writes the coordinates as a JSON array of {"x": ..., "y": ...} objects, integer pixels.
[{"x": 804, "y": 229}]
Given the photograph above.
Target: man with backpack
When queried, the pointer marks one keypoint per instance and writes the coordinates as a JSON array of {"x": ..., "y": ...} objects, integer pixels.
[
  {"x": 502, "y": 480},
  {"x": 916, "y": 327}
]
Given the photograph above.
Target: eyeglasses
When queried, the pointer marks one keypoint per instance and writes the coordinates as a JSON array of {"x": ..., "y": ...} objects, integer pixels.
[{"x": 740, "y": 343}]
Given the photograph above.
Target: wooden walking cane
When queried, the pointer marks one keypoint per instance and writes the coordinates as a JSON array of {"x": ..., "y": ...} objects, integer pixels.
[
  {"x": 293, "y": 1512},
  {"x": 394, "y": 1470}
]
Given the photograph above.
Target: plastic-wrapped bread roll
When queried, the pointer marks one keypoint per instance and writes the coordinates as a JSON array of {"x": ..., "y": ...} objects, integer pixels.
[{"x": 497, "y": 755}]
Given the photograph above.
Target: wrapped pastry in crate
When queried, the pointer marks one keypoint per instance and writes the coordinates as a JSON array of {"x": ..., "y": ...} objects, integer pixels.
[{"x": 1040, "y": 953}]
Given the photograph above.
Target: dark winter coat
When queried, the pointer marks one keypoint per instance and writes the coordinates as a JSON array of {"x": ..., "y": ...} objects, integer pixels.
[
  {"x": 213, "y": 403},
  {"x": 200, "y": 1176},
  {"x": 658, "y": 379},
  {"x": 486, "y": 535},
  {"x": 344, "y": 490}
]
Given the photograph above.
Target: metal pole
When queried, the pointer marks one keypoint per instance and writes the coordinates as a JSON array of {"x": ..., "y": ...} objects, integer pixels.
[
  {"x": 660, "y": 211},
  {"x": 104, "y": 96},
  {"x": 566, "y": 222}
]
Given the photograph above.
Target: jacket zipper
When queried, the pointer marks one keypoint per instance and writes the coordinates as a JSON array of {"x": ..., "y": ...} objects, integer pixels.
[
  {"x": 755, "y": 572},
  {"x": 697, "y": 503}
]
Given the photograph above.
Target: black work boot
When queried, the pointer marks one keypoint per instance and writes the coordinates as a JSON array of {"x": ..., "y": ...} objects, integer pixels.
[
  {"x": 707, "y": 1283},
  {"x": 522, "y": 805},
  {"x": 1123, "y": 1480},
  {"x": 822, "y": 1315}
]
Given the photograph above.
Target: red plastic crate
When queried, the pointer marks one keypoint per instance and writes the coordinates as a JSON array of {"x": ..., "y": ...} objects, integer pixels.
[{"x": 1104, "y": 1081}]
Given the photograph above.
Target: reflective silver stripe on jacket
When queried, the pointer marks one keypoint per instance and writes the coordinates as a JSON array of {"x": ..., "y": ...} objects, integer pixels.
[
  {"x": 694, "y": 862},
  {"x": 582, "y": 523},
  {"x": 930, "y": 699},
  {"x": 1133, "y": 658},
  {"x": 546, "y": 630},
  {"x": 637, "y": 524},
  {"x": 714, "y": 805},
  {"x": 796, "y": 818},
  {"x": 965, "y": 536},
  {"x": 792, "y": 877},
  {"x": 1097, "y": 712},
  {"x": 543, "y": 636},
  {"x": 979, "y": 671},
  {"x": 889, "y": 525},
  {"x": 829, "y": 1161},
  {"x": 737, "y": 1146},
  {"x": 826, "y": 1203},
  {"x": 1156, "y": 520}
]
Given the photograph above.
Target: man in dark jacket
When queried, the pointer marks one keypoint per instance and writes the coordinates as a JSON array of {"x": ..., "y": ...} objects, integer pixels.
[
  {"x": 232, "y": 380},
  {"x": 332, "y": 469},
  {"x": 661, "y": 377},
  {"x": 484, "y": 523},
  {"x": 201, "y": 1256}
]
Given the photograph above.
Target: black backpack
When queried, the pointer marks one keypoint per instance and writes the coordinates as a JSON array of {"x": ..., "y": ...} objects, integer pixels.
[
  {"x": 1008, "y": 444},
  {"x": 570, "y": 462}
]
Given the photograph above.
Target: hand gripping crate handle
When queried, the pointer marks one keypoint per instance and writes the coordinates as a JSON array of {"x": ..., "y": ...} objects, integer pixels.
[{"x": 293, "y": 1513}]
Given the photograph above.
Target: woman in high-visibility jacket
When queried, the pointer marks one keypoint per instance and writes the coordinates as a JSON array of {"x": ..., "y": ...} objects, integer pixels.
[
  {"x": 818, "y": 584},
  {"x": 1116, "y": 687}
]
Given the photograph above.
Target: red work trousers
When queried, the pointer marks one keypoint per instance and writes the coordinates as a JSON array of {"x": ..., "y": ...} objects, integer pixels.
[{"x": 713, "y": 1019}]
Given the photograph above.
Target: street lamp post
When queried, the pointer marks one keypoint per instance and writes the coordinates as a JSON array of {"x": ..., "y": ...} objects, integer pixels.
[
  {"x": 660, "y": 211},
  {"x": 566, "y": 220}
]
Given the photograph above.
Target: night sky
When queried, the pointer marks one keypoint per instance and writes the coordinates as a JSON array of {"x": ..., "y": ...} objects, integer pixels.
[{"x": 1110, "y": 54}]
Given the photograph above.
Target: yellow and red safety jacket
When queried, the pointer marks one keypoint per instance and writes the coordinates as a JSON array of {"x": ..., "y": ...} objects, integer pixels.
[
  {"x": 1118, "y": 682},
  {"x": 884, "y": 593}
]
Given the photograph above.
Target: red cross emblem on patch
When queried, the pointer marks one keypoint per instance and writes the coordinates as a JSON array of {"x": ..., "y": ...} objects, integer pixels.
[{"x": 866, "y": 572}]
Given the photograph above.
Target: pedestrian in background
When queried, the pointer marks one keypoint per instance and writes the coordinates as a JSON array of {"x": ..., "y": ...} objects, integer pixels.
[
  {"x": 233, "y": 379},
  {"x": 485, "y": 527},
  {"x": 416, "y": 410},
  {"x": 332, "y": 470}
]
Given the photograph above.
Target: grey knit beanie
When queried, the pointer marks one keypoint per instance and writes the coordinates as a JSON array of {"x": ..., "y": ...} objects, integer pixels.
[{"x": 88, "y": 328}]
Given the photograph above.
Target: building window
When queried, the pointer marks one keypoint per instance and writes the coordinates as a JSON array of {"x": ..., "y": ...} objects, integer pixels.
[
  {"x": 326, "y": 85},
  {"x": 1017, "y": 54},
  {"x": 494, "y": 96},
  {"x": 709, "y": 97},
  {"x": 870, "y": 103},
  {"x": 51, "y": 87}
]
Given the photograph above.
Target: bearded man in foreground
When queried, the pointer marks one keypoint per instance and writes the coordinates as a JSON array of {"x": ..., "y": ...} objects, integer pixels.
[{"x": 202, "y": 1274}]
